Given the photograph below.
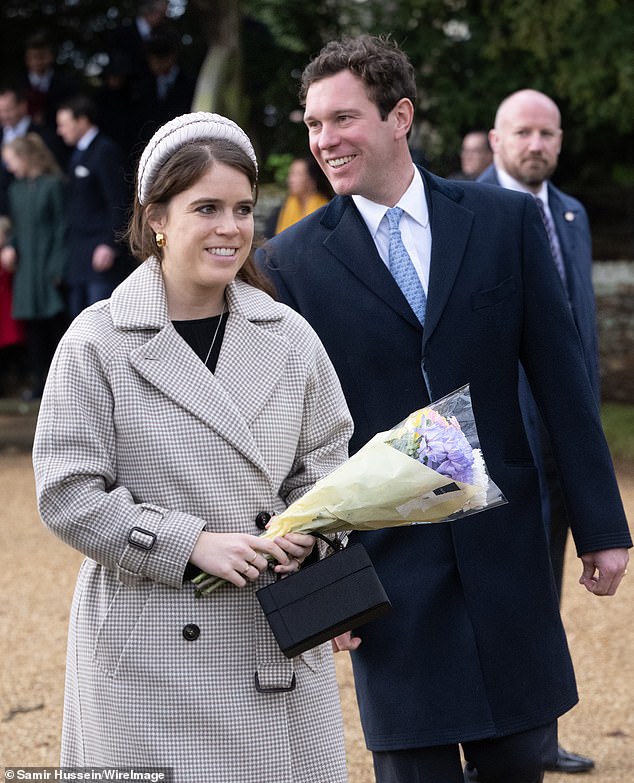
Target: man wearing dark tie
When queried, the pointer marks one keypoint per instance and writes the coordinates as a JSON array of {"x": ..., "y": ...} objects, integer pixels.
[
  {"x": 526, "y": 142},
  {"x": 474, "y": 653}
]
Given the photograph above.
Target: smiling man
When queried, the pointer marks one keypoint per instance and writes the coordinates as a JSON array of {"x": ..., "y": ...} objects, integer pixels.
[{"x": 417, "y": 286}]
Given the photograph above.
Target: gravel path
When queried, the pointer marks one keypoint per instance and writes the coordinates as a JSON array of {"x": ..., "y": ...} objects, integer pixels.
[{"x": 37, "y": 576}]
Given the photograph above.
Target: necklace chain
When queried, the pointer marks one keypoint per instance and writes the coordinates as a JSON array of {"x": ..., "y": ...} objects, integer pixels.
[{"x": 211, "y": 347}]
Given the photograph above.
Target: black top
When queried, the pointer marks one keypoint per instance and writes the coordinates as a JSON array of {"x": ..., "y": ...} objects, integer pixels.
[{"x": 199, "y": 335}]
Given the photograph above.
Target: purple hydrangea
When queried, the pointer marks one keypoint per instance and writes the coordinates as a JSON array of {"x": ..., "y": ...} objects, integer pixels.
[{"x": 445, "y": 449}]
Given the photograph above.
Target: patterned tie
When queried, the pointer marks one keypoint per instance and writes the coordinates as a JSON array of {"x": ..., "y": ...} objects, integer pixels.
[
  {"x": 402, "y": 268},
  {"x": 553, "y": 241}
]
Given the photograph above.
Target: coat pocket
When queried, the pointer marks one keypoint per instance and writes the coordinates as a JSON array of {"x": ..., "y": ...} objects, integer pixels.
[
  {"x": 493, "y": 296},
  {"x": 118, "y": 625}
]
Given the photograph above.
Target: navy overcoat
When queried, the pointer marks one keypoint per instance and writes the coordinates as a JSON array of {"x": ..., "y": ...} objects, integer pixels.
[
  {"x": 475, "y": 645},
  {"x": 96, "y": 210}
]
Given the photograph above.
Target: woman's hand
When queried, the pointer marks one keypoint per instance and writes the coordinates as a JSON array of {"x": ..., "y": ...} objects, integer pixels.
[
  {"x": 297, "y": 546},
  {"x": 239, "y": 557}
]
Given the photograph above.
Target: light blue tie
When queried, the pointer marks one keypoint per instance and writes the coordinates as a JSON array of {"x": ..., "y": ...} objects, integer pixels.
[{"x": 402, "y": 268}]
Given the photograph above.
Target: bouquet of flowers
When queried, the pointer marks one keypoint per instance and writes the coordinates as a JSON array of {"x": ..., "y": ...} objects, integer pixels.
[{"x": 428, "y": 468}]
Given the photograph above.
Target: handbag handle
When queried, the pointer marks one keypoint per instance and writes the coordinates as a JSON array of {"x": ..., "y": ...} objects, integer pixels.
[{"x": 335, "y": 543}]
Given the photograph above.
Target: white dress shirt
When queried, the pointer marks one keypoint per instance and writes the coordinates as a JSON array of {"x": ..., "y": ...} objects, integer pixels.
[
  {"x": 510, "y": 183},
  {"x": 87, "y": 138},
  {"x": 414, "y": 225}
]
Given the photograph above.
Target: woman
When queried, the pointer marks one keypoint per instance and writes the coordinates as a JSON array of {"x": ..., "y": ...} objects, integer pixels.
[
  {"x": 308, "y": 189},
  {"x": 174, "y": 414},
  {"x": 37, "y": 251}
]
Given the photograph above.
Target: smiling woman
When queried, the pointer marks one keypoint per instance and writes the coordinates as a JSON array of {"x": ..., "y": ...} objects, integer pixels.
[
  {"x": 175, "y": 413},
  {"x": 207, "y": 239}
]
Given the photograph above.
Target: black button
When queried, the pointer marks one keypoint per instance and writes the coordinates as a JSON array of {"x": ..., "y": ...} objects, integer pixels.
[
  {"x": 191, "y": 632},
  {"x": 262, "y": 520}
]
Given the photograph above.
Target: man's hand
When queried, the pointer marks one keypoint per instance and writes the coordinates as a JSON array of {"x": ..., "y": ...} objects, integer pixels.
[
  {"x": 103, "y": 258},
  {"x": 346, "y": 641},
  {"x": 603, "y": 570}
]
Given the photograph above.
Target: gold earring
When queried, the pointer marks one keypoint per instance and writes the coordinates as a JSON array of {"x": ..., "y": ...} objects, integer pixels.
[{"x": 160, "y": 240}]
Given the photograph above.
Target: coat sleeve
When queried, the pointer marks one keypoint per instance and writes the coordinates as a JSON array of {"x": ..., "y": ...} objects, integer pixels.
[
  {"x": 551, "y": 354},
  {"x": 74, "y": 459},
  {"x": 109, "y": 174}
]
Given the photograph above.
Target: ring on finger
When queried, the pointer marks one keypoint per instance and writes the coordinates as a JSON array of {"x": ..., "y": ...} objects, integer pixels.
[
  {"x": 253, "y": 559},
  {"x": 248, "y": 565}
]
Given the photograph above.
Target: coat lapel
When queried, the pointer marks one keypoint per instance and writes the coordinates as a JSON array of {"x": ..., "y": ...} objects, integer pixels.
[
  {"x": 350, "y": 241},
  {"x": 450, "y": 228},
  {"x": 251, "y": 362}
]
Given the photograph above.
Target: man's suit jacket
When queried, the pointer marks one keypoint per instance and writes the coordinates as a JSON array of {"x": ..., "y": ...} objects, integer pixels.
[
  {"x": 96, "y": 200},
  {"x": 573, "y": 231},
  {"x": 474, "y": 646},
  {"x": 152, "y": 112},
  {"x": 43, "y": 105}
]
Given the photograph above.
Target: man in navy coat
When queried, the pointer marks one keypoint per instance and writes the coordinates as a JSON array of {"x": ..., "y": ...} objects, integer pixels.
[
  {"x": 474, "y": 653},
  {"x": 96, "y": 206},
  {"x": 526, "y": 140}
]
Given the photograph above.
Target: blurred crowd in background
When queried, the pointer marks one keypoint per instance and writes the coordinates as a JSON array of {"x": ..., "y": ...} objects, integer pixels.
[{"x": 69, "y": 151}]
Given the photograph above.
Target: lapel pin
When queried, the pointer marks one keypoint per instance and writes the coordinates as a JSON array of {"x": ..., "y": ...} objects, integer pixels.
[{"x": 569, "y": 216}]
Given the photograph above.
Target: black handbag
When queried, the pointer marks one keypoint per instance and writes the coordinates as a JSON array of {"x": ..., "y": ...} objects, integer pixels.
[{"x": 333, "y": 595}]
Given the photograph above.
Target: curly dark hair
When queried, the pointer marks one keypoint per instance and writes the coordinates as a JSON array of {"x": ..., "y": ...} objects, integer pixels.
[{"x": 382, "y": 66}]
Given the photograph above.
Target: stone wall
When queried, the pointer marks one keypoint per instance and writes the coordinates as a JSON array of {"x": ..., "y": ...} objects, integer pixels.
[{"x": 614, "y": 292}]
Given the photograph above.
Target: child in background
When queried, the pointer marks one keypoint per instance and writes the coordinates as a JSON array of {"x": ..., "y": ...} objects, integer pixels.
[{"x": 37, "y": 252}]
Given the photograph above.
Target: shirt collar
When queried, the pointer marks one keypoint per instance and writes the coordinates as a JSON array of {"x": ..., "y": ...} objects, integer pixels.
[
  {"x": 168, "y": 78},
  {"x": 87, "y": 138},
  {"x": 41, "y": 81},
  {"x": 510, "y": 183},
  {"x": 17, "y": 130},
  {"x": 143, "y": 26},
  {"x": 413, "y": 202}
]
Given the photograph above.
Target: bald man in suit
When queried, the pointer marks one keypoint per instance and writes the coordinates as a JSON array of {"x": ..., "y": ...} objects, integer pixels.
[{"x": 526, "y": 140}]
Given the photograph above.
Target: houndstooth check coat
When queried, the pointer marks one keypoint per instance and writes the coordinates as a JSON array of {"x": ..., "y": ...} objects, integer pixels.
[{"x": 138, "y": 448}]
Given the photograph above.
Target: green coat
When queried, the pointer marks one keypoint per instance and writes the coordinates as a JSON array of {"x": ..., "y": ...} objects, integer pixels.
[{"x": 38, "y": 213}]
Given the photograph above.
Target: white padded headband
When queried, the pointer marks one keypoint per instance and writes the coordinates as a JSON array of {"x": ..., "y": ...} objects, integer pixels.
[{"x": 181, "y": 130}]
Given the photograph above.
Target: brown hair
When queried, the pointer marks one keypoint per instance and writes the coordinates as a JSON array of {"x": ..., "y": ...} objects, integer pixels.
[
  {"x": 384, "y": 69},
  {"x": 181, "y": 171}
]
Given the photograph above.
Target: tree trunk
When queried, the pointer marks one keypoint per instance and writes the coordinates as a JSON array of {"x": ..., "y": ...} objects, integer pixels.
[{"x": 219, "y": 86}]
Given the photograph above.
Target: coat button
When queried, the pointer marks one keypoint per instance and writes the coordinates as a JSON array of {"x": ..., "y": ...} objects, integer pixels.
[
  {"x": 262, "y": 520},
  {"x": 191, "y": 632}
]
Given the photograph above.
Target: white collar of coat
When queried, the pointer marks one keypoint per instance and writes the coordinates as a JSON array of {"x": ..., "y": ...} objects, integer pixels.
[{"x": 139, "y": 302}]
